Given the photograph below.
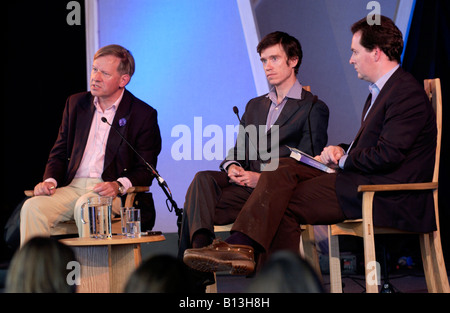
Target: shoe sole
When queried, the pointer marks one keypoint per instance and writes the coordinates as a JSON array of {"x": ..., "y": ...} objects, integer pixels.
[{"x": 209, "y": 264}]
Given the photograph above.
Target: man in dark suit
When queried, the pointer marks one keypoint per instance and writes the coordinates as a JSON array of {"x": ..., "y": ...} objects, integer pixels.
[
  {"x": 395, "y": 144},
  {"x": 288, "y": 115},
  {"x": 88, "y": 158}
]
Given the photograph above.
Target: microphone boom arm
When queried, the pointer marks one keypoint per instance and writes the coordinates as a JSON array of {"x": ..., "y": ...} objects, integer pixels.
[
  {"x": 161, "y": 182},
  {"x": 236, "y": 111}
]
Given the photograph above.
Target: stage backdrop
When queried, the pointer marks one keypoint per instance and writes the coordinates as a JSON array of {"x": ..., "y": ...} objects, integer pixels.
[{"x": 193, "y": 67}]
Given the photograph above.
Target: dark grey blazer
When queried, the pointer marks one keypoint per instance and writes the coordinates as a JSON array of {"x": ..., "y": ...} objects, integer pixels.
[{"x": 294, "y": 130}]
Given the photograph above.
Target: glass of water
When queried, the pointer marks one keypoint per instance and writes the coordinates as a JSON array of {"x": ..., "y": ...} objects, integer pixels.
[
  {"x": 123, "y": 219},
  {"x": 133, "y": 222}
]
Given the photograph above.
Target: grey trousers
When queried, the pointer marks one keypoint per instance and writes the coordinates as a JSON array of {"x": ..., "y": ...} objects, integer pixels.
[{"x": 210, "y": 200}]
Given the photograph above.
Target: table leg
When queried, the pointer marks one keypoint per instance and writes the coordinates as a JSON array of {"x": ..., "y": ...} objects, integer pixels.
[
  {"x": 124, "y": 260},
  {"x": 106, "y": 269},
  {"x": 94, "y": 269}
]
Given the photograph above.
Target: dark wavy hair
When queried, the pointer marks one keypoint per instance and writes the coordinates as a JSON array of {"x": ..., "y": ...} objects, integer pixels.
[
  {"x": 385, "y": 36},
  {"x": 291, "y": 46}
]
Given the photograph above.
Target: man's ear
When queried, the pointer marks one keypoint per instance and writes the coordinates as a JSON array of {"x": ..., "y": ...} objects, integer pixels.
[
  {"x": 376, "y": 53},
  {"x": 293, "y": 62},
  {"x": 124, "y": 80}
]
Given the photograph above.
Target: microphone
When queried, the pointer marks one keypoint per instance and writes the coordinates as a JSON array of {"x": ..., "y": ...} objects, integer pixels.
[
  {"x": 314, "y": 100},
  {"x": 236, "y": 111},
  {"x": 154, "y": 172}
]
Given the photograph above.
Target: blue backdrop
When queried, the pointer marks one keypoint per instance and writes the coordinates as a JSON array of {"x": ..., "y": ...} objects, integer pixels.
[{"x": 191, "y": 65}]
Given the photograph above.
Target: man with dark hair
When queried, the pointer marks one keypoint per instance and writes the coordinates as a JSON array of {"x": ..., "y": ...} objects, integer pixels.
[
  {"x": 291, "y": 46},
  {"x": 395, "y": 144},
  {"x": 387, "y": 38},
  {"x": 287, "y": 112},
  {"x": 88, "y": 159}
]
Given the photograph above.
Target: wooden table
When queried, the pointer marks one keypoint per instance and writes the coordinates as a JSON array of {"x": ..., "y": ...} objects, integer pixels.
[{"x": 106, "y": 264}]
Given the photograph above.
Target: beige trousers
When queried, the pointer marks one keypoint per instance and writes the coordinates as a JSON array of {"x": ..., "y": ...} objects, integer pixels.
[{"x": 39, "y": 214}]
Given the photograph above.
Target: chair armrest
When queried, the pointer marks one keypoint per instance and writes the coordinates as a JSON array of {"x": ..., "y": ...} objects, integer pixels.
[
  {"x": 131, "y": 194},
  {"x": 30, "y": 193},
  {"x": 398, "y": 187},
  {"x": 138, "y": 189}
]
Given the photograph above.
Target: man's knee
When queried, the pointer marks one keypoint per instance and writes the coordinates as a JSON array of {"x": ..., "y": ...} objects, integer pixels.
[
  {"x": 29, "y": 208},
  {"x": 203, "y": 176},
  {"x": 204, "y": 182}
]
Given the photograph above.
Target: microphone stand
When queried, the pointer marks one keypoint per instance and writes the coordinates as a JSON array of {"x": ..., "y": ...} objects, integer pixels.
[
  {"x": 165, "y": 188},
  {"x": 161, "y": 182},
  {"x": 309, "y": 124}
]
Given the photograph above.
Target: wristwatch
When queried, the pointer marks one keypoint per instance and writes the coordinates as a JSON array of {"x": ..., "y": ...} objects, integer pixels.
[{"x": 121, "y": 187}]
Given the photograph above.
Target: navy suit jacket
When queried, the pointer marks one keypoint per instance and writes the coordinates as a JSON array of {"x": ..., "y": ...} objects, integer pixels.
[
  {"x": 395, "y": 144},
  {"x": 141, "y": 130},
  {"x": 293, "y": 129}
]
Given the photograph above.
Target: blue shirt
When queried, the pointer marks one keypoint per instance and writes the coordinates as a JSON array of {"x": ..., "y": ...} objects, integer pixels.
[
  {"x": 374, "y": 89},
  {"x": 275, "y": 109}
]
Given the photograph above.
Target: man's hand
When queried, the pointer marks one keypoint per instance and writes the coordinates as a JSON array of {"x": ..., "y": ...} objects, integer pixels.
[
  {"x": 107, "y": 189},
  {"x": 241, "y": 177},
  {"x": 44, "y": 189},
  {"x": 331, "y": 155}
]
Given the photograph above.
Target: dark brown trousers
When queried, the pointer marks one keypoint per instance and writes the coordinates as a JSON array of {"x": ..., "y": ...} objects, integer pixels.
[
  {"x": 270, "y": 214},
  {"x": 292, "y": 195}
]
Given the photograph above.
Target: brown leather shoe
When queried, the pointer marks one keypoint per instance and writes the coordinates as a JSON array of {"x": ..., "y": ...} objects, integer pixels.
[{"x": 221, "y": 256}]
